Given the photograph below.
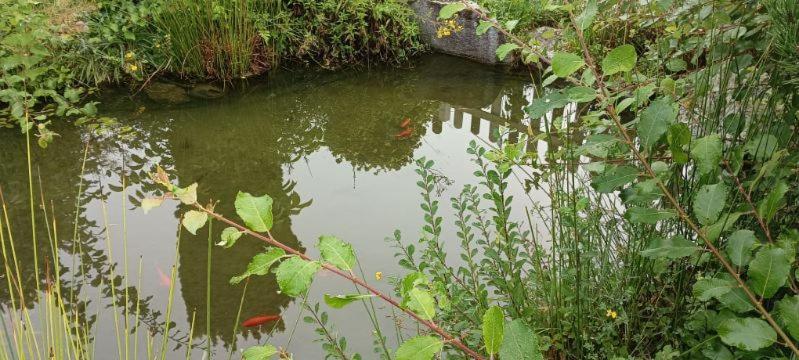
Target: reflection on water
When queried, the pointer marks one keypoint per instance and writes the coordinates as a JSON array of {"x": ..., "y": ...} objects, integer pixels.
[{"x": 328, "y": 147}]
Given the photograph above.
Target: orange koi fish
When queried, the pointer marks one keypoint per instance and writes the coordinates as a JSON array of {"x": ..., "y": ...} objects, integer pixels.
[
  {"x": 259, "y": 320},
  {"x": 166, "y": 281},
  {"x": 405, "y": 123},
  {"x": 405, "y": 133}
]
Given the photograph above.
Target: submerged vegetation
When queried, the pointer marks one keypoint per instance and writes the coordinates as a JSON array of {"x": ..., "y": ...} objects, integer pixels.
[{"x": 660, "y": 223}]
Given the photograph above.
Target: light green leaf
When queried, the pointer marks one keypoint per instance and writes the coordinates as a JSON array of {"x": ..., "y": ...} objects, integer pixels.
[
  {"x": 294, "y": 275},
  {"x": 483, "y": 27},
  {"x": 255, "y": 211},
  {"x": 449, "y": 10},
  {"x": 787, "y": 311},
  {"x": 187, "y": 195},
  {"x": 747, "y": 333},
  {"x": 193, "y": 220},
  {"x": 706, "y": 152},
  {"x": 761, "y": 146},
  {"x": 768, "y": 207},
  {"x": 655, "y": 120},
  {"x": 620, "y": 59},
  {"x": 422, "y": 303},
  {"x": 649, "y": 215},
  {"x": 565, "y": 64},
  {"x": 259, "y": 352},
  {"x": 519, "y": 343},
  {"x": 585, "y": 18},
  {"x": 419, "y": 348},
  {"x": 708, "y": 288},
  {"x": 709, "y": 202},
  {"x": 150, "y": 203},
  {"x": 229, "y": 237},
  {"x": 614, "y": 178},
  {"x": 337, "y": 252},
  {"x": 260, "y": 264},
  {"x": 739, "y": 247},
  {"x": 504, "y": 49},
  {"x": 340, "y": 301},
  {"x": 581, "y": 94},
  {"x": 768, "y": 271},
  {"x": 493, "y": 329},
  {"x": 511, "y": 24},
  {"x": 671, "y": 248}
]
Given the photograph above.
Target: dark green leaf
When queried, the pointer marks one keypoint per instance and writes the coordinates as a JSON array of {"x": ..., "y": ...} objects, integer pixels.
[
  {"x": 614, "y": 178},
  {"x": 768, "y": 207},
  {"x": 648, "y": 215},
  {"x": 581, "y": 94},
  {"x": 655, "y": 120},
  {"x": 709, "y": 202},
  {"x": 670, "y": 248},
  {"x": 769, "y": 271},
  {"x": 739, "y": 247},
  {"x": 708, "y": 288},
  {"x": 747, "y": 333},
  {"x": 706, "y": 152},
  {"x": 565, "y": 64},
  {"x": 787, "y": 311}
]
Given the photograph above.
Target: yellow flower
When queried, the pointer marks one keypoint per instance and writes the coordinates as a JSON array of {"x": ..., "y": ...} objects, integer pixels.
[
  {"x": 379, "y": 275},
  {"x": 129, "y": 55},
  {"x": 611, "y": 314},
  {"x": 133, "y": 67}
]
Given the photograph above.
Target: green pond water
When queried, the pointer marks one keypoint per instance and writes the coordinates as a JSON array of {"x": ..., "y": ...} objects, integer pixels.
[{"x": 323, "y": 145}]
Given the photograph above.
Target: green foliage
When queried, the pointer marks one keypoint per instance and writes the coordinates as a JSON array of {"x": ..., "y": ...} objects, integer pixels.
[
  {"x": 229, "y": 237},
  {"x": 747, "y": 333},
  {"x": 620, "y": 59},
  {"x": 193, "y": 220},
  {"x": 419, "y": 348},
  {"x": 294, "y": 275},
  {"x": 493, "y": 329},
  {"x": 260, "y": 264},
  {"x": 672, "y": 248},
  {"x": 449, "y": 10},
  {"x": 337, "y": 252},
  {"x": 565, "y": 64},
  {"x": 256, "y": 211},
  {"x": 520, "y": 342},
  {"x": 259, "y": 352},
  {"x": 340, "y": 301}
]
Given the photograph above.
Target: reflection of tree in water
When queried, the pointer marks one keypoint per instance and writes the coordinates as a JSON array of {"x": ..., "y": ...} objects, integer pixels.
[{"x": 82, "y": 255}]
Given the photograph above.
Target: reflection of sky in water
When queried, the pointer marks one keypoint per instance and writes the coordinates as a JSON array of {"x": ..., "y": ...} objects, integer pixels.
[{"x": 324, "y": 145}]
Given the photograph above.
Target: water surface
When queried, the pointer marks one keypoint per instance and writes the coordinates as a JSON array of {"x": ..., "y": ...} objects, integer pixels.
[{"x": 323, "y": 145}]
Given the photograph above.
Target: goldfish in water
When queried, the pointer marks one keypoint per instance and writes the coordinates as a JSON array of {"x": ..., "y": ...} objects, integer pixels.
[
  {"x": 405, "y": 133},
  {"x": 166, "y": 281},
  {"x": 405, "y": 123},
  {"x": 259, "y": 320}
]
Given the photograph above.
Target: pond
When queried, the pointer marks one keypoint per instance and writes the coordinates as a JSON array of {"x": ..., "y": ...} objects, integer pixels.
[{"x": 328, "y": 147}]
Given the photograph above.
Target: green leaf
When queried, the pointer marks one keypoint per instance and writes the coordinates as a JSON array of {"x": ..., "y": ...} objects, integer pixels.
[
  {"x": 511, "y": 24},
  {"x": 768, "y": 207},
  {"x": 670, "y": 248},
  {"x": 294, "y": 275},
  {"x": 648, "y": 215},
  {"x": 761, "y": 146},
  {"x": 519, "y": 343},
  {"x": 620, "y": 59},
  {"x": 187, "y": 195},
  {"x": 504, "y": 49},
  {"x": 193, "y": 220},
  {"x": 585, "y": 18},
  {"x": 787, "y": 311},
  {"x": 229, "y": 237},
  {"x": 340, "y": 301},
  {"x": 614, "y": 178},
  {"x": 747, "y": 333},
  {"x": 483, "y": 27},
  {"x": 739, "y": 247},
  {"x": 706, "y": 152},
  {"x": 709, "y": 202},
  {"x": 493, "y": 329},
  {"x": 708, "y": 288},
  {"x": 259, "y": 352},
  {"x": 255, "y": 211},
  {"x": 422, "y": 303},
  {"x": 337, "y": 252},
  {"x": 768, "y": 271},
  {"x": 419, "y": 348},
  {"x": 679, "y": 135},
  {"x": 581, "y": 94},
  {"x": 541, "y": 106},
  {"x": 150, "y": 203},
  {"x": 736, "y": 300},
  {"x": 565, "y": 64},
  {"x": 260, "y": 264},
  {"x": 725, "y": 223},
  {"x": 655, "y": 121},
  {"x": 449, "y": 10}
]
